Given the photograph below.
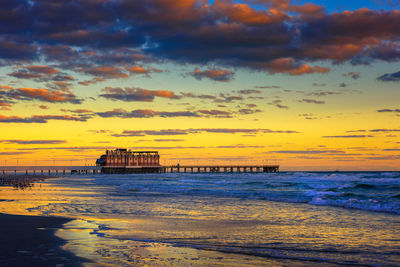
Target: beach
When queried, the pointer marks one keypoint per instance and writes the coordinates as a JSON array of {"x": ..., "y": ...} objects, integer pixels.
[
  {"x": 30, "y": 241},
  {"x": 285, "y": 219}
]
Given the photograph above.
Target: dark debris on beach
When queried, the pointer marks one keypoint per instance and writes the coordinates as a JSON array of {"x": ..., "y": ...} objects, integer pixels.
[{"x": 22, "y": 181}]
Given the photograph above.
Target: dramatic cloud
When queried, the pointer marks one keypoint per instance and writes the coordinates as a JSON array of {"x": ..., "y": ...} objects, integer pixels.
[
  {"x": 273, "y": 36},
  {"x": 390, "y": 77},
  {"x": 219, "y": 75},
  {"x": 30, "y": 142},
  {"x": 136, "y": 94}
]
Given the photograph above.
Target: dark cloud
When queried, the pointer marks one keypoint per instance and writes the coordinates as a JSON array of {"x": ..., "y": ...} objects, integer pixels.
[
  {"x": 319, "y": 84},
  {"x": 105, "y": 72},
  {"x": 311, "y": 151},
  {"x": 277, "y": 37},
  {"x": 41, "y": 73},
  {"x": 390, "y": 77},
  {"x": 347, "y": 136},
  {"x": 220, "y": 75},
  {"x": 91, "y": 81},
  {"x": 312, "y": 101},
  {"x": 199, "y": 130},
  {"x": 352, "y": 74},
  {"x": 249, "y": 91},
  {"x": 247, "y": 111},
  {"x": 278, "y": 103},
  {"x": 145, "y": 113},
  {"x": 389, "y": 110},
  {"x": 39, "y": 118},
  {"x": 30, "y": 142},
  {"x": 215, "y": 113},
  {"x": 40, "y": 94},
  {"x": 77, "y": 111},
  {"x": 383, "y": 130},
  {"x": 136, "y": 94},
  {"x": 191, "y": 95},
  {"x": 168, "y": 140},
  {"x": 268, "y": 87},
  {"x": 239, "y": 146}
]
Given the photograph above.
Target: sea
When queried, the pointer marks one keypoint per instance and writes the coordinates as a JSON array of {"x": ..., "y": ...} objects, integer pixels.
[{"x": 220, "y": 219}]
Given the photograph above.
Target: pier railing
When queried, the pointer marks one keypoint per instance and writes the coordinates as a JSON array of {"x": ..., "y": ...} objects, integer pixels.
[{"x": 219, "y": 168}]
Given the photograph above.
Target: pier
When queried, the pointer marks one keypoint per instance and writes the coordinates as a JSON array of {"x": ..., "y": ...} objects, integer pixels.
[
  {"x": 191, "y": 169},
  {"x": 219, "y": 168},
  {"x": 86, "y": 170}
]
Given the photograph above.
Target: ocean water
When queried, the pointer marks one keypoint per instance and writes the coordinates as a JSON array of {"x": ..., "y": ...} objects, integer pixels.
[{"x": 277, "y": 219}]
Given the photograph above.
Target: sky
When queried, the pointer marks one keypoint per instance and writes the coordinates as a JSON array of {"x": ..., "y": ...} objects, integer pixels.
[{"x": 308, "y": 85}]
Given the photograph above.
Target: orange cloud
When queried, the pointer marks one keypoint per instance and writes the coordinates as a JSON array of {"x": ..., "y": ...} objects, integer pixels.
[
  {"x": 245, "y": 14},
  {"x": 41, "y": 69},
  {"x": 106, "y": 72},
  {"x": 291, "y": 67},
  {"x": 220, "y": 75},
  {"x": 141, "y": 70}
]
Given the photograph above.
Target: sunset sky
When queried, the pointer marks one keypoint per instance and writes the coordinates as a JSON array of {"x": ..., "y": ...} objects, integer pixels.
[{"x": 308, "y": 85}]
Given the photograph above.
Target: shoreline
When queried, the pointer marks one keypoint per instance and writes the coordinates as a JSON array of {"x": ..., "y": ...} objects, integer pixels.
[{"x": 31, "y": 239}]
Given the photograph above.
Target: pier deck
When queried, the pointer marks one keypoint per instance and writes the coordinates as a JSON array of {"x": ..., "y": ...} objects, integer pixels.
[
  {"x": 192, "y": 169},
  {"x": 64, "y": 170}
]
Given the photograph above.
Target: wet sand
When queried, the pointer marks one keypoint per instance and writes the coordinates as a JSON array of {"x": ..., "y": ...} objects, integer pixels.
[
  {"x": 22, "y": 181},
  {"x": 30, "y": 241}
]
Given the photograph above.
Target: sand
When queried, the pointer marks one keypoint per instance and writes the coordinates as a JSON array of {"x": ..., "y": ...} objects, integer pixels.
[{"x": 30, "y": 241}]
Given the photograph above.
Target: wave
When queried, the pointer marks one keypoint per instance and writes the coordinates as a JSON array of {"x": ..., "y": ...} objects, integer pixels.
[{"x": 366, "y": 191}]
